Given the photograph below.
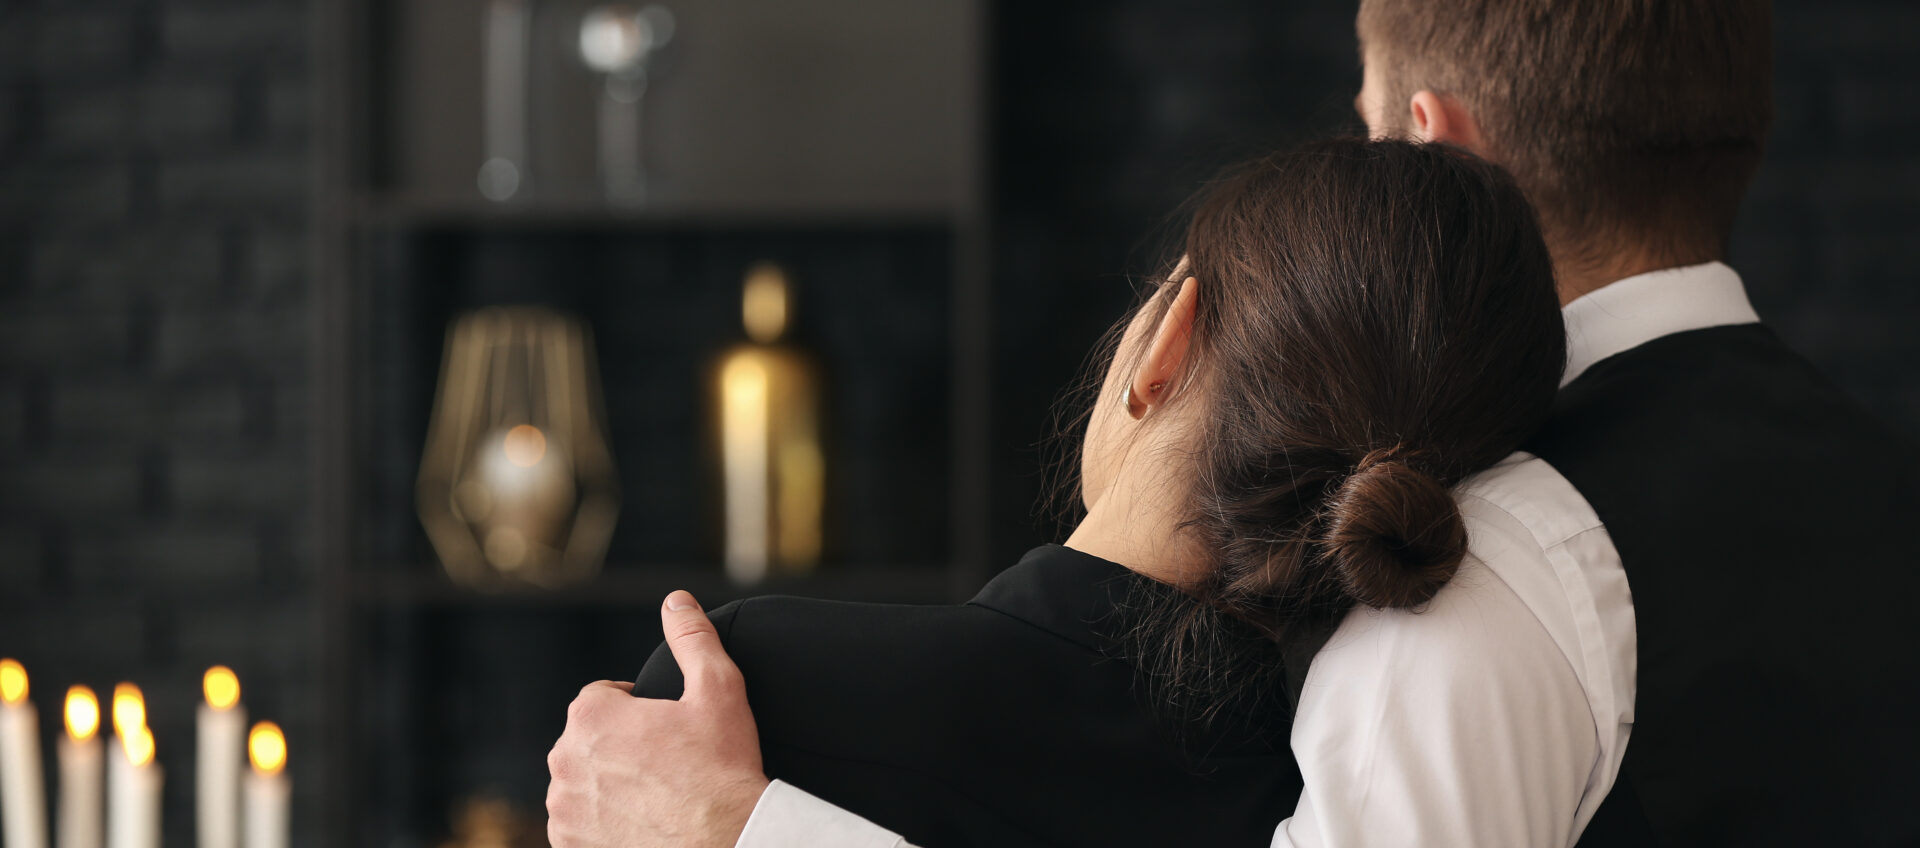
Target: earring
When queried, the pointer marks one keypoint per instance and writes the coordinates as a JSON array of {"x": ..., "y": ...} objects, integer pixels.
[{"x": 1126, "y": 397}]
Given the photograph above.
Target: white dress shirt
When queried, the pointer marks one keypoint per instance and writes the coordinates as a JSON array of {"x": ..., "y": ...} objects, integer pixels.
[{"x": 1499, "y": 713}]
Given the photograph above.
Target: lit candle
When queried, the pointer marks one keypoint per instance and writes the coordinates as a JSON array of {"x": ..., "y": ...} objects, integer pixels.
[
  {"x": 133, "y": 777},
  {"x": 222, "y": 727},
  {"x": 772, "y": 468},
  {"x": 81, "y": 761},
  {"x": 23, "y": 796},
  {"x": 268, "y": 790},
  {"x": 743, "y": 462}
]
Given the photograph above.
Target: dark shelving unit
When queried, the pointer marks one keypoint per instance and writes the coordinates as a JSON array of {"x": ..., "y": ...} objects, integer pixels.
[
  {"x": 422, "y": 586},
  {"x": 434, "y": 691}
]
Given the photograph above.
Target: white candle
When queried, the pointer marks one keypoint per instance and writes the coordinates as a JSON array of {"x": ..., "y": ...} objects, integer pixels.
[
  {"x": 23, "y": 794},
  {"x": 133, "y": 776},
  {"x": 82, "y": 759},
  {"x": 744, "y": 447},
  {"x": 222, "y": 727},
  {"x": 268, "y": 790}
]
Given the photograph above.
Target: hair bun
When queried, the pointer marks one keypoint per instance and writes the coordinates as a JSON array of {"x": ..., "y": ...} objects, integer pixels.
[{"x": 1394, "y": 533}]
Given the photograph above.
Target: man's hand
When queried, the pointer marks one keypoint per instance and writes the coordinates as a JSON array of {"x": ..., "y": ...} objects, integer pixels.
[{"x": 640, "y": 773}]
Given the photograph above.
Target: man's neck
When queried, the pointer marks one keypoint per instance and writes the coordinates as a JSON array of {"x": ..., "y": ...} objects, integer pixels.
[{"x": 1576, "y": 274}]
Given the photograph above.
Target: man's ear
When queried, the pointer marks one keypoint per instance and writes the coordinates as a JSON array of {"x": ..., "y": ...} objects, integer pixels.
[
  {"x": 1443, "y": 118},
  {"x": 1167, "y": 351}
]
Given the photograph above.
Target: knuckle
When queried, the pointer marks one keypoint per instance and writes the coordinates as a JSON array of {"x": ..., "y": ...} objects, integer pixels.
[
  {"x": 689, "y": 633},
  {"x": 565, "y": 763},
  {"x": 581, "y": 710},
  {"x": 688, "y": 625}
]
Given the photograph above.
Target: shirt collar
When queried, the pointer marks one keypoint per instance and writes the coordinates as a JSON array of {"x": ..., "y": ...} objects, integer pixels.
[{"x": 1631, "y": 312}]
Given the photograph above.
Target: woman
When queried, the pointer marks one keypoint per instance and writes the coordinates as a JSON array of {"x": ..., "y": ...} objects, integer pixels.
[{"x": 1355, "y": 327}]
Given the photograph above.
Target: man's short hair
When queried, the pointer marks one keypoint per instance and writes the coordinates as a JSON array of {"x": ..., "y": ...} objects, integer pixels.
[{"x": 1623, "y": 120}]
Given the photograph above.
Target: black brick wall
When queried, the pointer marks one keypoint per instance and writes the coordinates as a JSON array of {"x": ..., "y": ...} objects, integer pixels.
[
  {"x": 1830, "y": 237},
  {"x": 154, "y": 392}
]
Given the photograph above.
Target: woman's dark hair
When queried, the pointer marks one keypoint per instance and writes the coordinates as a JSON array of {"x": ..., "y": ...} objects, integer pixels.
[{"x": 1375, "y": 321}]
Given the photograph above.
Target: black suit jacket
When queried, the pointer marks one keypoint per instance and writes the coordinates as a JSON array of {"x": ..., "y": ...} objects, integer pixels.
[
  {"x": 1765, "y": 523},
  {"x": 1005, "y": 721}
]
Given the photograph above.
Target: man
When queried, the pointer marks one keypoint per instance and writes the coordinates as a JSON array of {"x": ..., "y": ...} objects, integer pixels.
[{"x": 1755, "y": 515}]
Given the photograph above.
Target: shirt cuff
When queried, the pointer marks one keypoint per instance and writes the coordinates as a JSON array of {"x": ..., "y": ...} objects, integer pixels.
[{"x": 787, "y": 817}]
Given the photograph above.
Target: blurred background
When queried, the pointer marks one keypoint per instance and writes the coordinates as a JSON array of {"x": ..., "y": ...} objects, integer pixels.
[{"x": 234, "y": 236}]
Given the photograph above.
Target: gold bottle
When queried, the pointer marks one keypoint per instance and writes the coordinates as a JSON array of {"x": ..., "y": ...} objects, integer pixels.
[{"x": 767, "y": 416}]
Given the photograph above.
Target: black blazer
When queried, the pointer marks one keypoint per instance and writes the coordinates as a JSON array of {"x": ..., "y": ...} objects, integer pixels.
[
  {"x": 1001, "y": 722},
  {"x": 1766, "y": 525}
]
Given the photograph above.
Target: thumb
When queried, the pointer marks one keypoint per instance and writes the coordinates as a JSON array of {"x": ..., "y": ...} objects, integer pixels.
[{"x": 709, "y": 673}]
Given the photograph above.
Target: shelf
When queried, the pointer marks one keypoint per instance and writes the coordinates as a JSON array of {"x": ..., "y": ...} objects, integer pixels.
[
  {"x": 865, "y": 175},
  {"x": 647, "y": 586},
  {"x": 434, "y": 211}
]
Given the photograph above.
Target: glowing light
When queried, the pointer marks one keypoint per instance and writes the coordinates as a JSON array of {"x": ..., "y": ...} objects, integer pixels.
[
  {"x": 506, "y": 548},
  {"x": 743, "y": 433},
  {"x": 267, "y": 748},
  {"x": 83, "y": 713},
  {"x": 517, "y": 442},
  {"x": 13, "y": 681},
  {"x": 525, "y": 445},
  {"x": 222, "y": 686},
  {"x": 139, "y": 745},
  {"x": 129, "y": 710},
  {"x": 499, "y": 179},
  {"x": 799, "y": 483},
  {"x": 472, "y": 501},
  {"x": 763, "y": 303},
  {"x": 610, "y": 41}
]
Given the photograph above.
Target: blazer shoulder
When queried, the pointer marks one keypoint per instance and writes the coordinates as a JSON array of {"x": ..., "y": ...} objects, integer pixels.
[
  {"x": 811, "y": 642},
  {"x": 783, "y": 642},
  {"x": 660, "y": 677}
]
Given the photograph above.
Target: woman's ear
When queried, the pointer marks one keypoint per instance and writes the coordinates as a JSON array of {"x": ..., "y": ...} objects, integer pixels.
[
  {"x": 1167, "y": 350},
  {"x": 1443, "y": 118}
]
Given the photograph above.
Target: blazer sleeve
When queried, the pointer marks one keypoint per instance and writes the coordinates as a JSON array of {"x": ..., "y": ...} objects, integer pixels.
[
  {"x": 785, "y": 816},
  {"x": 660, "y": 677}
]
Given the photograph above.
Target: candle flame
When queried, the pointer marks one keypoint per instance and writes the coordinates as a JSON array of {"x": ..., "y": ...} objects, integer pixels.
[
  {"x": 763, "y": 303},
  {"x": 13, "y": 681},
  {"x": 139, "y": 745},
  {"x": 129, "y": 710},
  {"x": 525, "y": 445},
  {"x": 222, "y": 686},
  {"x": 267, "y": 747},
  {"x": 83, "y": 713}
]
